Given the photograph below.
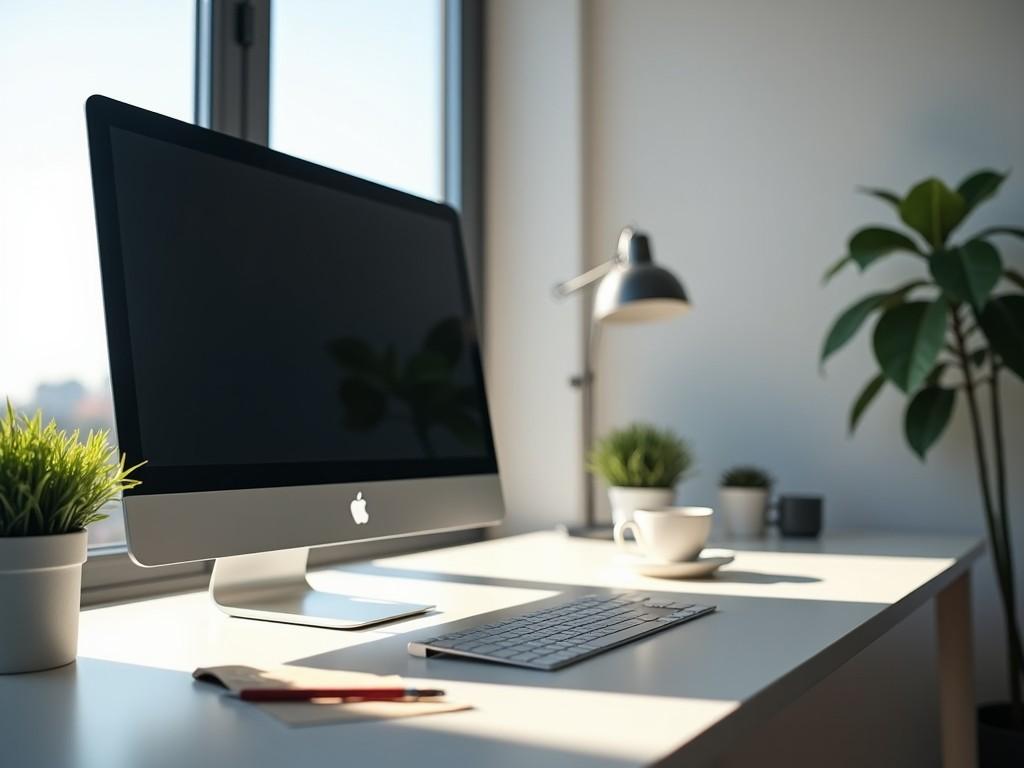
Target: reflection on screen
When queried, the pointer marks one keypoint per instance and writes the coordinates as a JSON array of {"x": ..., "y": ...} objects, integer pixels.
[{"x": 274, "y": 320}]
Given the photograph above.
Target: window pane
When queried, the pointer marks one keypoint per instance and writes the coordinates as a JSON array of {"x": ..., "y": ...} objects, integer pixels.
[
  {"x": 358, "y": 85},
  {"x": 54, "y": 54}
]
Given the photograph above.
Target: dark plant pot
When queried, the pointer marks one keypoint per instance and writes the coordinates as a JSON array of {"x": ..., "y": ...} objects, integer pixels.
[{"x": 999, "y": 744}]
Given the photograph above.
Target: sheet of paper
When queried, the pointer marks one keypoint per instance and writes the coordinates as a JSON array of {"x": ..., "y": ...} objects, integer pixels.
[{"x": 235, "y": 678}]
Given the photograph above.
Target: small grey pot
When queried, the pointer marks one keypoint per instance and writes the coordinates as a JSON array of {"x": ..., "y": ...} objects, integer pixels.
[{"x": 40, "y": 596}]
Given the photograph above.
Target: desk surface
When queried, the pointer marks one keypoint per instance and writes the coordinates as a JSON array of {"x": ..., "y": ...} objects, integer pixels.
[{"x": 790, "y": 612}]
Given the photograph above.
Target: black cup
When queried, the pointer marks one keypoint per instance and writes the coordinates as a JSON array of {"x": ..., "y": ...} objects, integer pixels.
[{"x": 801, "y": 515}]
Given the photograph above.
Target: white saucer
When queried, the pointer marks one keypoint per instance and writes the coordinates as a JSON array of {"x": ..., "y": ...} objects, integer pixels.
[{"x": 706, "y": 563}]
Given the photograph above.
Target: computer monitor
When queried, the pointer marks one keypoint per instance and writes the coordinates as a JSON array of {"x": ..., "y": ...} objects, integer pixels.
[{"x": 293, "y": 353}]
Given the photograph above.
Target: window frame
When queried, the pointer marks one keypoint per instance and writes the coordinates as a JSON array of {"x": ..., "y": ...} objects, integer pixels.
[{"x": 232, "y": 95}]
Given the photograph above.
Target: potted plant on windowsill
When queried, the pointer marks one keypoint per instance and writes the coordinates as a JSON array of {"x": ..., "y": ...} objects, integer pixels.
[
  {"x": 52, "y": 485},
  {"x": 957, "y": 330},
  {"x": 641, "y": 465},
  {"x": 743, "y": 500}
]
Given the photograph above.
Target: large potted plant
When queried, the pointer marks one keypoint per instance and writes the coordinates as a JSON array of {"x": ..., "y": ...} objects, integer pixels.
[
  {"x": 956, "y": 332},
  {"x": 641, "y": 465},
  {"x": 52, "y": 485}
]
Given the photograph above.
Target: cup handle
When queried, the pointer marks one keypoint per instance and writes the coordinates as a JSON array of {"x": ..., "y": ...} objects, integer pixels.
[{"x": 620, "y": 533}]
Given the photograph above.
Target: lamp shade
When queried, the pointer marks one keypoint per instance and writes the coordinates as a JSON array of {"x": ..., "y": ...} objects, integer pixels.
[{"x": 636, "y": 290}]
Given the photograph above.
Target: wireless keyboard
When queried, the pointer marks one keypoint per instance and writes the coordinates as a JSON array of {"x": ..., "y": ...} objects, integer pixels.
[{"x": 553, "y": 638}]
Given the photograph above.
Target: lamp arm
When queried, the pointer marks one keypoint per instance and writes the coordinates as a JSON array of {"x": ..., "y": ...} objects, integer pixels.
[{"x": 582, "y": 281}]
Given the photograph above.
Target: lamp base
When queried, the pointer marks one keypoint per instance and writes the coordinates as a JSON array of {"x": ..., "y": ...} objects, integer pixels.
[{"x": 599, "y": 532}]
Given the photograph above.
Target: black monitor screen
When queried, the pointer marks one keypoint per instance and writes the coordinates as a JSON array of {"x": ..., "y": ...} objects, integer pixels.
[{"x": 281, "y": 329}]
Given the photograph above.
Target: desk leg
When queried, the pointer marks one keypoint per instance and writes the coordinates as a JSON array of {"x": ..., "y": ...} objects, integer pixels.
[{"x": 956, "y": 679}]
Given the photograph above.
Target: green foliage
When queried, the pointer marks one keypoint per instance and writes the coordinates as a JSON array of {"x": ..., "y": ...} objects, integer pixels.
[
  {"x": 641, "y": 456},
  {"x": 864, "y": 399},
  {"x": 52, "y": 482},
  {"x": 908, "y": 339},
  {"x": 870, "y": 245},
  {"x": 746, "y": 477},
  {"x": 933, "y": 210},
  {"x": 850, "y": 321},
  {"x": 927, "y": 416},
  {"x": 951, "y": 323},
  {"x": 945, "y": 336},
  {"x": 969, "y": 273},
  {"x": 1003, "y": 323}
]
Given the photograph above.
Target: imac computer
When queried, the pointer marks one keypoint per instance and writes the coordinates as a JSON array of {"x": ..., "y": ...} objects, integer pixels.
[{"x": 294, "y": 355}]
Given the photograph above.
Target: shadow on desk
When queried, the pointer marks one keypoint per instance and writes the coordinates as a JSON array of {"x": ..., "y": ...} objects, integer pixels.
[
  {"x": 715, "y": 657},
  {"x": 103, "y": 713}
]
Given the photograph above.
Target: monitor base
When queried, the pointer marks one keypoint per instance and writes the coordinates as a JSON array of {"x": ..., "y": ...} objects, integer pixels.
[
  {"x": 272, "y": 586},
  {"x": 602, "y": 532}
]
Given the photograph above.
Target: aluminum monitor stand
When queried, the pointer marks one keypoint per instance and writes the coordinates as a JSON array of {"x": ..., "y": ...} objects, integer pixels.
[{"x": 272, "y": 586}]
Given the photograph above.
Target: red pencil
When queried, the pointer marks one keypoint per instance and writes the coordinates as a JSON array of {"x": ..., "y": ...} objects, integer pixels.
[{"x": 362, "y": 694}]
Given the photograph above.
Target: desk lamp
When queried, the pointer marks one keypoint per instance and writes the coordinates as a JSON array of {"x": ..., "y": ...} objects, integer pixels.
[{"x": 632, "y": 289}]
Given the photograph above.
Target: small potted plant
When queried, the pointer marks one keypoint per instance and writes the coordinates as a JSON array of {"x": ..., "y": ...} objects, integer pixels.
[
  {"x": 52, "y": 485},
  {"x": 743, "y": 500},
  {"x": 641, "y": 465}
]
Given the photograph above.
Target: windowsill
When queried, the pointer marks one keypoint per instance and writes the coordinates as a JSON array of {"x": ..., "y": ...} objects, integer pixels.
[{"x": 110, "y": 575}]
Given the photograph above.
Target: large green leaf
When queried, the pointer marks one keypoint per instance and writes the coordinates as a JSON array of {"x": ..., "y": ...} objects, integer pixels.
[
  {"x": 1014, "y": 277},
  {"x": 933, "y": 209},
  {"x": 1012, "y": 231},
  {"x": 968, "y": 273},
  {"x": 873, "y": 243},
  {"x": 835, "y": 268},
  {"x": 849, "y": 322},
  {"x": 1003, "y": 324},
  {"x": 864, "y": 399},
  {"x": 979, "y": 187},
  {"x": 882, "y": 194},
  {"x": 908, "y": 339},
  {"x": 927, "y": 416}
]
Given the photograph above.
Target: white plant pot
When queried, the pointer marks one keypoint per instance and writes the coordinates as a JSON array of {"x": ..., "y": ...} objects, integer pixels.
[
  {"x": 743, "y": 510},
  {"x": 40, "y": 595},
  {"x": 625, "y": 501}
]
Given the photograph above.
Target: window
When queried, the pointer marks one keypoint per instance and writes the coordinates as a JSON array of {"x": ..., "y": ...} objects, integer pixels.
[
  {"x": 54, "y": 54},
  {"x": 364, "y": 86},
  {"x": 358, "y": 85}
]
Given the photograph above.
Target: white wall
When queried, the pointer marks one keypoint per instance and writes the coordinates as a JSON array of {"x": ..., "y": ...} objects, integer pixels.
[
  {"x": 532, "y": 238},
  {"x": 735, "y": 132}
]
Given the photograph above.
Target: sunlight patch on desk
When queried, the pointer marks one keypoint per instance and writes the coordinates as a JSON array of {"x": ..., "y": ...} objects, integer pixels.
[
  {"x": 562, "y": 719},
  {"x": 182, "y": 632},
  {"x": 453, "y": 600},
  {"x": 543, "y": 559}
]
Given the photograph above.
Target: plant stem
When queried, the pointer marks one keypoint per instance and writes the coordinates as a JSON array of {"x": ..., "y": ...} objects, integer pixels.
[
  {"x": 1004, "y": 524},
  {"x": 995, "y": 532}
]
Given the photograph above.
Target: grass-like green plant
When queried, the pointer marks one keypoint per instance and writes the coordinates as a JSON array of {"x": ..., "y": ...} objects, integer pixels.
[
  {"x": 958, "y": 329},
  {"x": 641, "y": 456},
  {"x": 51, "y": 481},
  {"x": 746, "y": 477}
]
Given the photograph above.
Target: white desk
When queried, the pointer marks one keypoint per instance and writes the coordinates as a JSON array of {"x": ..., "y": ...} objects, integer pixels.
[{"x": 786, "y": 619}]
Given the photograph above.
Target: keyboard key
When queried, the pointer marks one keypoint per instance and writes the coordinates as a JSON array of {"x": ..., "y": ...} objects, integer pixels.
[{"x": 674, "y": 604}]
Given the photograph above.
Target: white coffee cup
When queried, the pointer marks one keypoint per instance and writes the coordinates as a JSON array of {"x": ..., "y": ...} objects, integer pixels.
[{"x": 669, "y": 534}]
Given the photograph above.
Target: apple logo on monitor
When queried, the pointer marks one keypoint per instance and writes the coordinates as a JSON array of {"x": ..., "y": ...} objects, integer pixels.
[{"x": 358, "y": 509}]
